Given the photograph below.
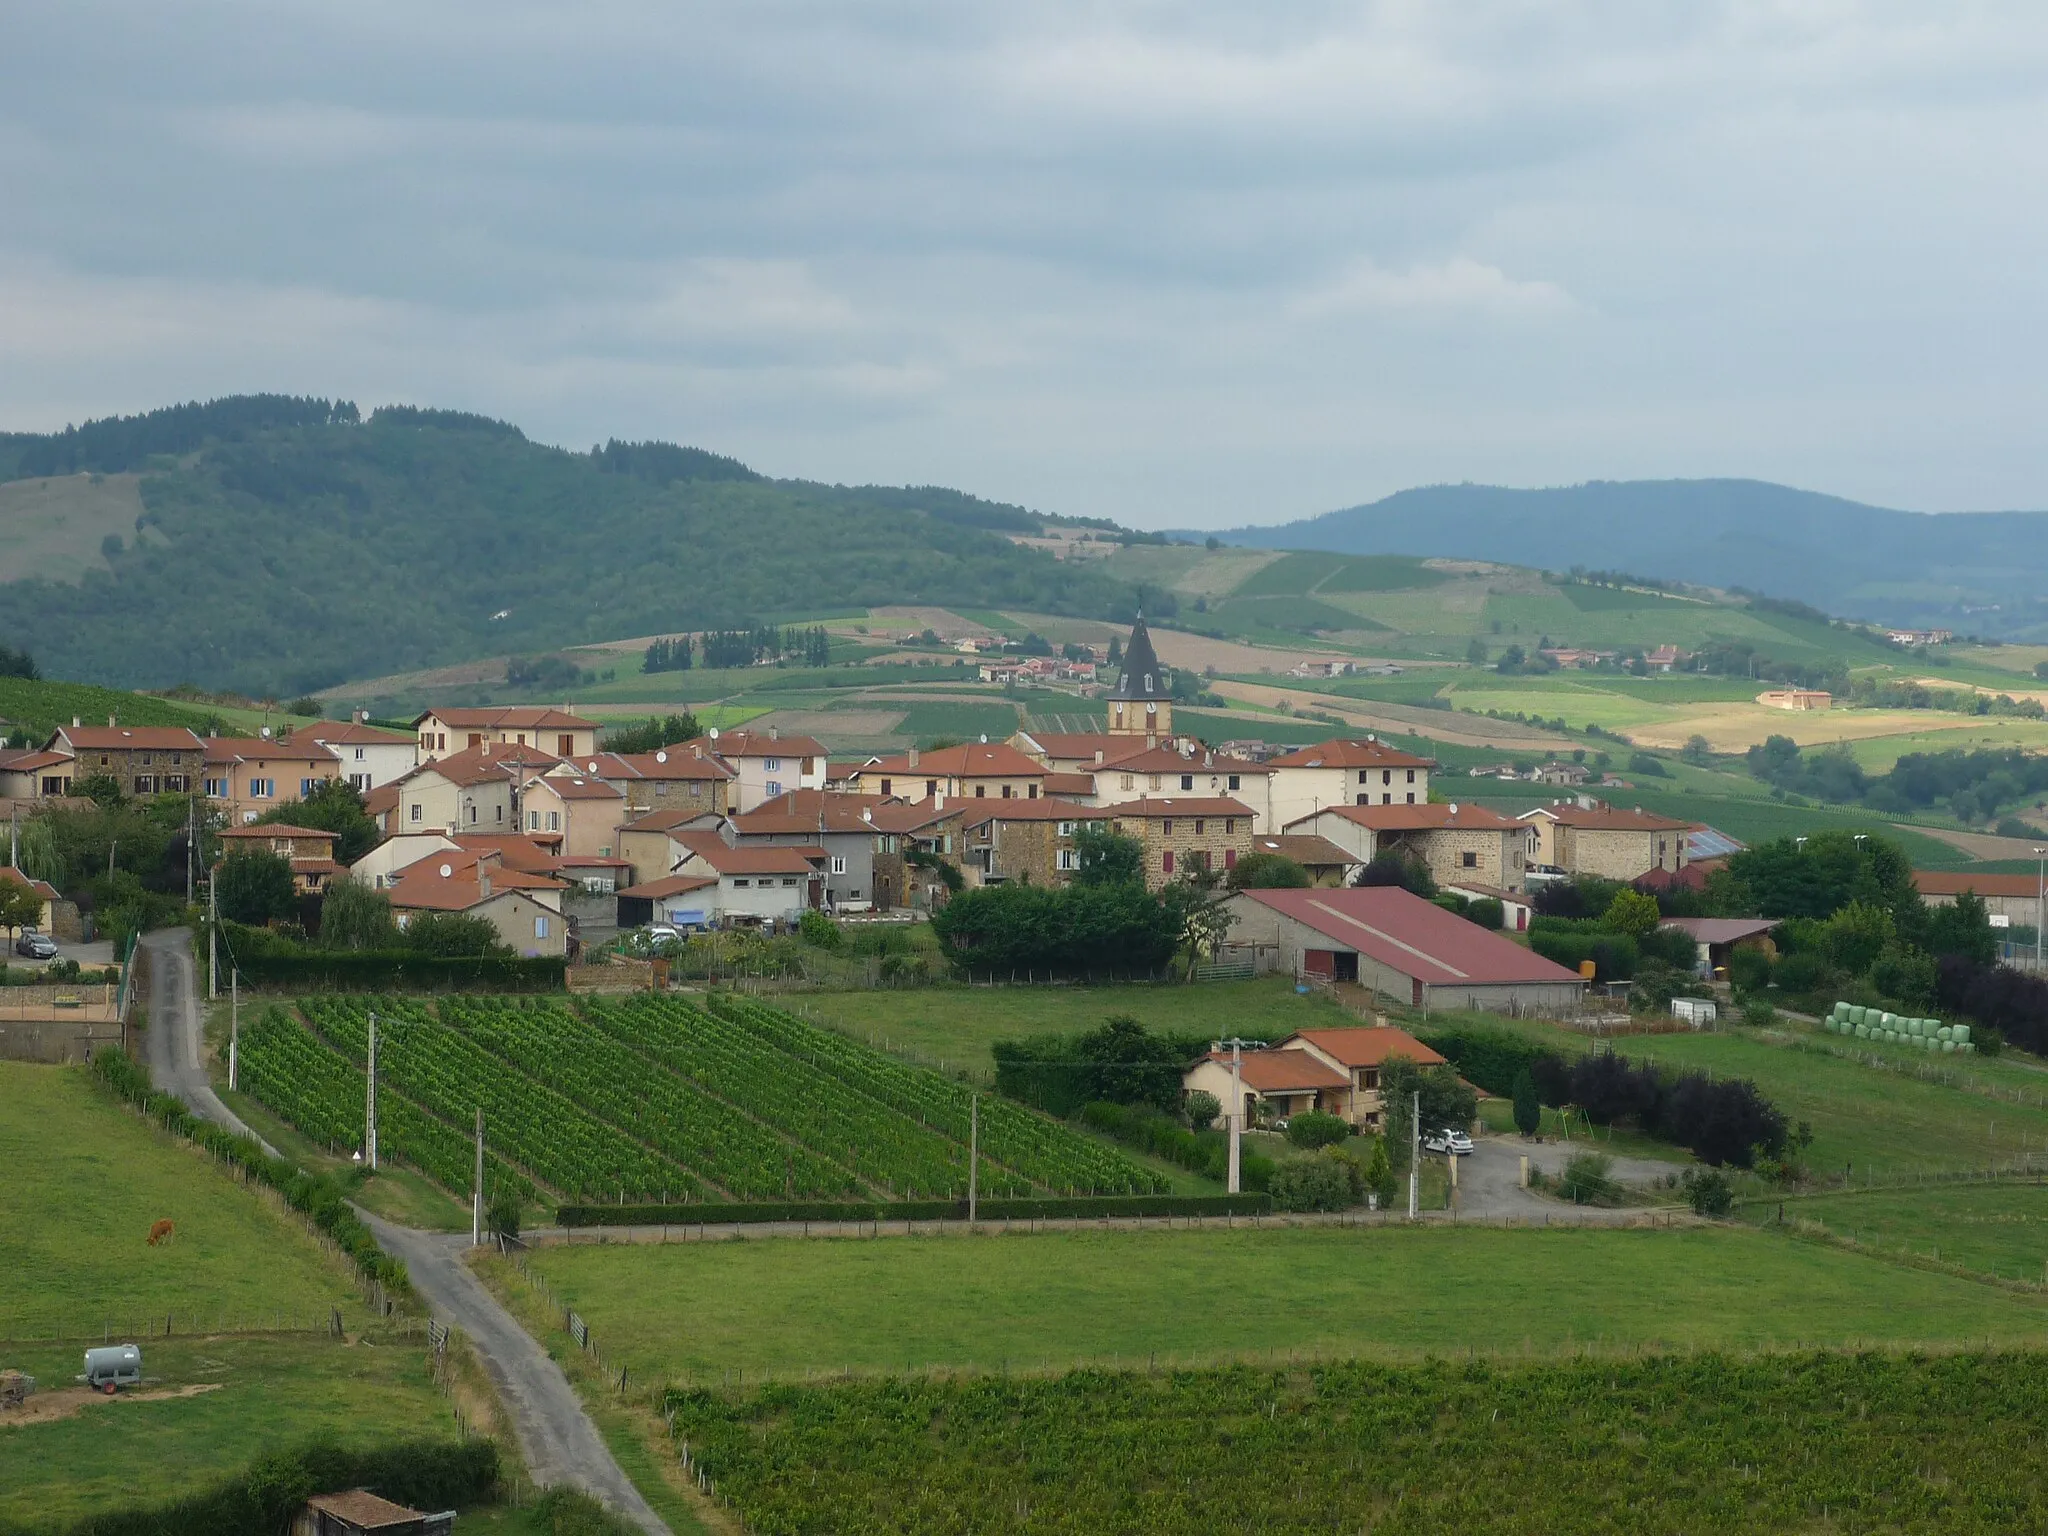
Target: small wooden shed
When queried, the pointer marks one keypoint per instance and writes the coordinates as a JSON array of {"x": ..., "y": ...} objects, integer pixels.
[{"x": 358, "y": 1510}]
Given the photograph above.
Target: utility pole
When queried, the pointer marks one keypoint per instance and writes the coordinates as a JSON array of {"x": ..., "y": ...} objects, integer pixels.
[
  {"x": 2040, "y": 904},
  {"x": 476, "y": 1199},
  {"x": 370, "y": 1104},
  {"x": 212, "y": 937},
  {"x": 14, "y": 840},
  {"x": 973, "y": 1156},
  {"x": 191, "y": 834},
  {"x": 1415, "y": 1154},
  {"x": 1235, "y": 1113},
  {"x": 234, "y": 1030}
]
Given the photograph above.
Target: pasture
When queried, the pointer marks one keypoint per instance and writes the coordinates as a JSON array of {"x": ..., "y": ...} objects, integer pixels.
[
  {"x": 1995, "y": 1229},
  {"x": 1026, "y": 1301},
  {"x": 85, "y": 1181}
]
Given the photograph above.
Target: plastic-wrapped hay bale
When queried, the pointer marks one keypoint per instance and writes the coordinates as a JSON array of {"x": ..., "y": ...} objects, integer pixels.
[
  {"x": 1862, "y": 1031},
  {"x": 1916, "y": 1026},
  {"x": 1889, "y": 1020},
  {"x": 1840, "y": 1013},
  {"x": 1945, "y": 1034},
  {"x": 1858, "y": 1014},
  {"x": 1946, "y": 1045},
  {"x": 1960, "y": 1033}
]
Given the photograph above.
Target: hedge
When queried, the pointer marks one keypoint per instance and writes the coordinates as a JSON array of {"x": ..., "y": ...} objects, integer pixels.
[
  {"x": 1489, "y": 1059},
  {"x": 1049, "y": 1208},
  {"x": 262, "y": 1499},
  {"x": 402, "y": 971},
  {"x": 317, "y": 1196},
  {"x": 1144, "y": 1127}
]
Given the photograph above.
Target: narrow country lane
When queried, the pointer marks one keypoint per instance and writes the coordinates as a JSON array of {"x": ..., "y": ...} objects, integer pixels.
[{"x": 557, "y": 1440}]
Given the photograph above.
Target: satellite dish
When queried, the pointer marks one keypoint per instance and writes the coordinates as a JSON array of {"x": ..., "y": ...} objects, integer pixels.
[
  {"x": 714, "y": 733},
  {"x": 659, "y": 757},
  {"x": 593, "y": 767},
  {"x": 447, "y": 870},
  {"x": 984, "y": 738}
]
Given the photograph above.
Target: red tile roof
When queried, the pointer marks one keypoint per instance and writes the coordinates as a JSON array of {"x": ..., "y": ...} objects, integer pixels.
[
  {"x": 122, "y": 738},
  {"x": 981, "y": 812},
  {"x": 1282, "y": 1071},
  {"x": 1949, "y": 882},
  {"x": 711, "y": 849},
  {"x": 975, "y": 760},
  {"x": 353, "y": 733},
  {"x": 811, "y": 810},
  {"x": 669, "y": 763},
  {"x": 731, "y": 744},
  {"x": 242, "y": 749},
  {"x": 534, "y": 853},
  {"x": 268, "y": 829},
  {"x": 672, "y": 885},
  {"x": 1367, "y": 1046},
  {"x": 1723, "y": 930},
  {"x": 42, "y": 888},
  {"x": 1069, "y": 784},
  {"x": 668, "y": 820},
  {"x": 1341, "y": 753},
  {"x": 567, "y": 786},
  {"x": 1419, "y": 818},
  {"x": 1414, "y": 937},
  {"x": 1148, "y": 809},
  {"x": 1164, "y": 760},
  {"x": 32, "y": 760},
  {"x": 1082, "y": 745},
  {"x": 1308, "y": 852},
  {"x": 471, "y": 767}
]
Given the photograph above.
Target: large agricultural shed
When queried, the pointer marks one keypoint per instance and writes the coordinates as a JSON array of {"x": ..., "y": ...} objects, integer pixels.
[{"x": 1395, "y": 943}]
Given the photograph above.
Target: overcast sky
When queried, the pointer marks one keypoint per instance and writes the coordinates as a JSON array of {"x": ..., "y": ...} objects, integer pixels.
[{"x": 1193, "y": 264}]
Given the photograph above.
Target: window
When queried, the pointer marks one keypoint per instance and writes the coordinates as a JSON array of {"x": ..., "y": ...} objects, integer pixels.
[
  {"x": 1233, "y": 782},
  {"x": 1166, "y": 827},
  {"x": 1148, "y": 682},
  {"x": 885, "y": 787},
  {"x": 105, "y": 761},
  {"x": 774, "y": 789},
  {"x": 789, "y": 882},
  {"x": 147, "y": 760},
  {"x": 1166, "y": 861},
  {"x": 981, "y": 791},
  {"x": 1387, "y": 798},
  {"x": 417, "y": 810},
  {"x": 1386, "y": 775},
  {"x": 1130, "y": 782},
  {"x": 1066, "y": 829},
  {"x": 360, "y": 754},
  {"x": 498, "y": 813},
  {"x": 1198, "y": 826},
  {"x": 1230, "y": 827},
  {"x": 838, "y": 864},
  {"x": 262, "y": 789},
  {"x": 1364, "y": 798},
  {"x": 540, "y": 927},
  {"x": 1468, "y": 860},
  {"x": 1187, "y": 781},
  {"x": 217, "y": 788},
  {"x": 145, "y": 783},
  {"x": 1153, "y": 781},
  {"x": 306, "y": 787},
  {"x": 565, "y": 746},
  {"x": 359, "y": 782},
  {"x": 554, "y": 821},
  {"x": 741, "y": 884},
  {"x": 533, "y": 821},
  {"x": 1362, "y": 777},
  {"x": 1070, "y": 859},
  {"x": 472, "y": 813},
  {"x": 1006, "y": 792},
  {"x": 1411, "y": 797},
  {"x": 772, "y": 764},
  {"x": 1411, "y": 775},
  {"x": 1031, "y": 792},
  {"x": 1369, "y": 1078},
  {"x": 175, "y": 783},
  {"x": 931, "y": 786}
]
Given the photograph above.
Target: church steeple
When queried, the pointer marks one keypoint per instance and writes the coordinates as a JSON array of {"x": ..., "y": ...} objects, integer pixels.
[{"x": 1139, "y": 705}]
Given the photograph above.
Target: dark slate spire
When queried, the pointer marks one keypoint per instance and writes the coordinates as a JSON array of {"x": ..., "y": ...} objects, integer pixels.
[{"x": 1141, "y": 678}]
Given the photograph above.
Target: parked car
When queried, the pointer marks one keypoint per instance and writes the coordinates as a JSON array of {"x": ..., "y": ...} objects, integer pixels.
[
  {"x": 1452, "y": 1143},
  {"x": 37, "y": 946},
  {"x": 655, "y": 939}
]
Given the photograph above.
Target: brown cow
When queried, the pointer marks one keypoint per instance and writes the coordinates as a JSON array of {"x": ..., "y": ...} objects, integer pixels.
[{"x": 162, "y": 1232}]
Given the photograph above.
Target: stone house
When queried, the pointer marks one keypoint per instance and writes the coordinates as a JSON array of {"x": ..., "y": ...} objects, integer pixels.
[
  {"x": 1616, "y": 844},
  {"x": 672, "y": 778},
  {"x": 1029, "y": 841},
  {"x": 1455, "y": 842},
  {"x": 142, "y": 759},
  {"x": 1183, "y": 834}
]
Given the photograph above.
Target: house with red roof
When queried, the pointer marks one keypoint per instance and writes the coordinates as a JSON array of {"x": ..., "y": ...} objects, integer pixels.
[
  {"x": 764, "y": 764},
  {"x": 371, "y": 757},
  {"x": 554, "y": 731},
  {"x": 143, "y": 759},
  {"x": 987, "y": 770},
  {"x": 1032, "y": 841},
  {"x": 309, "y": 850},
  {"x": 1614, "y": 842},
  {"x": 1185, "y": 833},
  {"x": 1398, "y": 946},
  {"x": 1459, "y": 842},
  {"x": 526, "y": 909}
]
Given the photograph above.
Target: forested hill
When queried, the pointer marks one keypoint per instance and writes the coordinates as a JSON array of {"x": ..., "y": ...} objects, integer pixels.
[
  {"x": 280, "y": 545},
  {"x": 1983, "y": 572}
]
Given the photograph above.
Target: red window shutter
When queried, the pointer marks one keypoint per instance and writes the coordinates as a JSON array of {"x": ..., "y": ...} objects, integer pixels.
[
  {"x": 1166, "y": 861},
  {"x": 1230, "y": 858}
]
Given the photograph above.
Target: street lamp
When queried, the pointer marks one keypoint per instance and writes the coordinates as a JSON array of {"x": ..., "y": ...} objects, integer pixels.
[{"x": 2040, "y": 906}]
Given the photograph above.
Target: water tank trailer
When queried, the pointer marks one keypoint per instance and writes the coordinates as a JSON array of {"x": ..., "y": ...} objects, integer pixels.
[{"x": 111, "y": 1367}]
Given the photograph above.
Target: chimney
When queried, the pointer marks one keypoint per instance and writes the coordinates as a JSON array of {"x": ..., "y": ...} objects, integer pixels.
[
  {"x": 913, "y": 759},
  {"x": 697, "y": 748},
  {"x": 775, "y": 733},
  {"x": 360, "y": 716},
  {"x": 110, "y": 722},
  {"x": 1098, "y": 757},
  {"x": 1151, "y": 742},
  {"x": 939, "y": 801},
  {"x": 483, "y": 878},
  {"x": 76, "y": 722}
]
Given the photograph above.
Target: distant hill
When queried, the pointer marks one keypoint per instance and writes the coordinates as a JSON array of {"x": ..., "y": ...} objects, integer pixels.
[
  {"x": 279, "y": 545},
  {"x": 1979, "y": 572}
]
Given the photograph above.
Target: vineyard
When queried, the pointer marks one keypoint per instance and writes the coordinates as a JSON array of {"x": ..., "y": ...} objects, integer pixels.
[
  {"x": 1816, "y": 1441},
  {"x": 658, "y": 1099}
]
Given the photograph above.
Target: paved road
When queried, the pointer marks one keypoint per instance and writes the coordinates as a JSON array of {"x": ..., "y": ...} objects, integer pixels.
[
  {"x": 555, "y": 1435},
  {"x": 1489, "y": 1181}
]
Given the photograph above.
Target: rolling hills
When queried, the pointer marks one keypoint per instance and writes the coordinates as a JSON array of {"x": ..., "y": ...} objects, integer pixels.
[
  {"x": 283, "y": 545},
  {"x": 1981, "y": 573}
]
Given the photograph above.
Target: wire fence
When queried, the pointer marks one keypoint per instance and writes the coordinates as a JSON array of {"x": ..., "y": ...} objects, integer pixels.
[{"x": 174, "y": 1323}]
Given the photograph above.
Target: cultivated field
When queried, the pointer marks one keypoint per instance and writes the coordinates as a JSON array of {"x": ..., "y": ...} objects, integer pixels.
[
  {"x": 53, "y": 527},
  {"x": 1995, "y": 1229},
  {"x": 693, "y": 1311}
]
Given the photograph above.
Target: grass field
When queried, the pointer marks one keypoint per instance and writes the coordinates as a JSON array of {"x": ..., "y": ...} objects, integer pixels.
[
  {"x": 953, "y": 1027},
  {"x": 693, "y": 1311},
  {"x": 1817, "y": 1442},
  {"x": 268, "y": 1394},
  {"x": 1995, "y": 1229},
  {"x": 1888, "y": 1123},
  {"x": 85, "y": 1180}
]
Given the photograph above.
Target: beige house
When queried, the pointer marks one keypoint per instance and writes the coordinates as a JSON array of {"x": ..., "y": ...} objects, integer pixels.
[
  {"x": 308, "y": 850},
  {"x": 1345, "y": 772},
  {"x": 443, "y": 732},
  {"x": 1267, "y": 1085},
  {"x": 1168, "y": 770},
  {"x": 1028, "y": 841},
  {"x": 989, "y": 770},
  {"x": 523, "y": 921},
  {"x": 248, "y": 775},
  {"x": 1182, "y": 835},
  {"x": 142, "y": 759},
  {"x": 380, "y": 867},
  {"x": 48, "y": 892},
  {"x": 465, "y": 792},
  {"x": 652, "y": 842},
  {"x": 33, "y": 774},
  {"x": 1616, "y": 844},
  {"x": 584, "y": 812},
  {"x": 1360, "y": 1055},
  {"x": 1456, "y": 842}
]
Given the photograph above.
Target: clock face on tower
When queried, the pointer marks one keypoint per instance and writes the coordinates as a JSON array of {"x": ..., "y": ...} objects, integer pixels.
[{"x": 1151, "y": 709}]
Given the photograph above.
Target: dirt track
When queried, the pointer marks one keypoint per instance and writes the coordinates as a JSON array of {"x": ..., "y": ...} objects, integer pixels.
[
  {"x": 1404, "y": 719},
  {"x": 46, "y": 1407}
]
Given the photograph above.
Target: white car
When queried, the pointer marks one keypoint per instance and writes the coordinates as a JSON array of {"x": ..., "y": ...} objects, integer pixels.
[
  {"x": 1450, "y": 1142},
  {"x": 654, "y": 940}
]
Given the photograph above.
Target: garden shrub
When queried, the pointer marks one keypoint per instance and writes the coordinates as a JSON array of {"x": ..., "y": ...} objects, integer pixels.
[
  {"x": 818, "y": 930},
  {"x": 1588, "y": 1179},
  {"x": 1202, "y": 1109},
  {"x": 1313, "y": 1129},
  {"x": 1318, "y": 1183},
  {"x": 1709, "y": 1191}
]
